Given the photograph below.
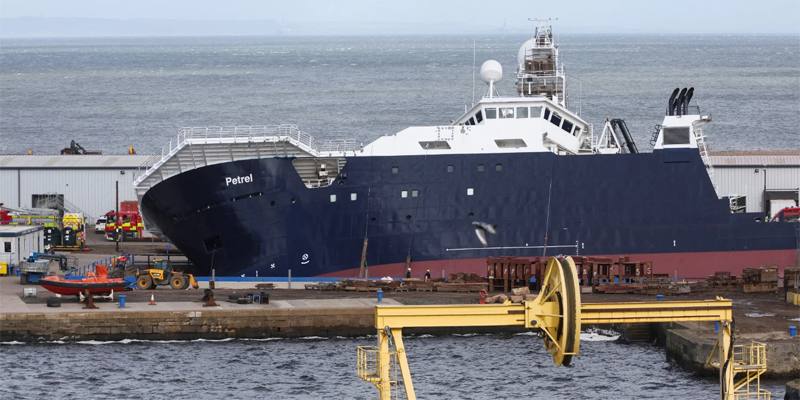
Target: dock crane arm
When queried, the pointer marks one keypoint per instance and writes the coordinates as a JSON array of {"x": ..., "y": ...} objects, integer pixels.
[{"x": 557, "y": 312}]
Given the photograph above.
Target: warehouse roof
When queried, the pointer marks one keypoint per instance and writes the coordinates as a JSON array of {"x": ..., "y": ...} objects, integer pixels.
[
  {"x": 757, "y": 158},
  {"x": 72, "y": 161},
  {"x": 18, "y": 230}
]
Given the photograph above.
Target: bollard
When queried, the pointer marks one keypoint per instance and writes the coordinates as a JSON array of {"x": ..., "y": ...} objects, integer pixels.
[
  {"x": 122, "y": 299},
  {"x": 380, "y": 295},
  {"x": 792, "y": 330}
]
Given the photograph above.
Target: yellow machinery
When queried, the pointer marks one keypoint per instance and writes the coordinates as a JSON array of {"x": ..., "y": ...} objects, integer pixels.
[
  {"x": 162, "y": 274},
  {"x": 558, "y": 313}
]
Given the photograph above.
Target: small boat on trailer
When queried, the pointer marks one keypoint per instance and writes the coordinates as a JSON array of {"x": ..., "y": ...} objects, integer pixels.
[{"x": 97, "y": 283}]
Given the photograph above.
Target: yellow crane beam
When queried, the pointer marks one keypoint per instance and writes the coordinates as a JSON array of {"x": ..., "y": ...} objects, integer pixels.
[{"x": 556, "y": 311}]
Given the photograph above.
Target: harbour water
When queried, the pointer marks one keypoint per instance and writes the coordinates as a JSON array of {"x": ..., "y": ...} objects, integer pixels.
[
  {"x": 444, "y": 367},
  {"x": 112, "y": 92}
]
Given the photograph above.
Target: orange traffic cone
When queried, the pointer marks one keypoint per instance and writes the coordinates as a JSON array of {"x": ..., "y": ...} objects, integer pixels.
[{"x": 152, "y": 300}]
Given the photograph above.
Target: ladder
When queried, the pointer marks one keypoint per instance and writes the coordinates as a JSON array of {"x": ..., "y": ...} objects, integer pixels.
[
  {"x": 700, "y": 138},
  {"x": 749, "y": 363}
]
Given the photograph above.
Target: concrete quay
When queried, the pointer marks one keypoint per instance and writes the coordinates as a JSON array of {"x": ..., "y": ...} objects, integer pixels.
[
  {"x": 175, "y": 320},
  {"x": 689, "y": 345}
]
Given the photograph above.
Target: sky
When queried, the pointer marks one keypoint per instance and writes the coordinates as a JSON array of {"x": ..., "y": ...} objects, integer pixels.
[{"x": 183, "y": 17}]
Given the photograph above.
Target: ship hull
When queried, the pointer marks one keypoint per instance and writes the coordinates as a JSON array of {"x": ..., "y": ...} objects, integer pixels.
[
  {"x": 257, "y": 217},
  {"x": 689, "y": 265}
]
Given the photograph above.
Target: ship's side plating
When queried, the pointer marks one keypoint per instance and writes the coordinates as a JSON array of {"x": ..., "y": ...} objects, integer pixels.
[{"x": 424, "y": 207}]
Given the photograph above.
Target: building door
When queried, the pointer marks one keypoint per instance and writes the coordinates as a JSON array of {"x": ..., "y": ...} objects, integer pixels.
[{"x": 52, "y": 201}]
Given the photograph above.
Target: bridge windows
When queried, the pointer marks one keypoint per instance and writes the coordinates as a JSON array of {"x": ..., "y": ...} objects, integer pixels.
[
  {"x": 546, "y": 113},
  {"x": 567, "y": 126},
  {"x": 522, "y": 112},
  {"x": 479, "y": 117},
  {"x": 506, "y": 112},
  {"x": 536, "y": 112},
  {"x": 491, "y": 113},
  {"x": 555, "y": 119}
]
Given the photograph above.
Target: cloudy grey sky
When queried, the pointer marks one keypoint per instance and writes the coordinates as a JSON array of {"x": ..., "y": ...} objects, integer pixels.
[{"x": 393, "y": 17}]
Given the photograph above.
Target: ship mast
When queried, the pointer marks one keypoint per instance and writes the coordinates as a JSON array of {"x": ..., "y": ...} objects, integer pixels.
[{"x": 538, "y": 69}]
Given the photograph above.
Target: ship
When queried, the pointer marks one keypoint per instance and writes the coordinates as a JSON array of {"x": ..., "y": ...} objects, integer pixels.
[{"x": 519, "y": 176}]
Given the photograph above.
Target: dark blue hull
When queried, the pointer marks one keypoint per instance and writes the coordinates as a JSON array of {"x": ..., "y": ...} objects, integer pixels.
[{"x": 541, "y": 203}]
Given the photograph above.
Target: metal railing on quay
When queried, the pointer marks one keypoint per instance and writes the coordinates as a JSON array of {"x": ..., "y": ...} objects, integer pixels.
[{"x": 114, "y": 264}]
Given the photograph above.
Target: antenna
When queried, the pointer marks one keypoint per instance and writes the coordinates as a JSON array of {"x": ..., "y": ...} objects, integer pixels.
[
  {"x": 541, "y": 22},
  {"x": 473, "y": 72}
]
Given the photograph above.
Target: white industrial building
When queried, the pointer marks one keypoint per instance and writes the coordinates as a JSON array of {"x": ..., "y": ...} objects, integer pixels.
[
  {"x": 768, "y": 180},
  {"x": 83, "y": 183},
  {"x": 18, "y": 242}
]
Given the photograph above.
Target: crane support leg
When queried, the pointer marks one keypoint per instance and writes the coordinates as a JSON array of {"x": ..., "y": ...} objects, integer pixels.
[
  {"x": 726, "y": 371},
  {"x": 402, "y": 361},
  {"x": 384, "y": 364}
]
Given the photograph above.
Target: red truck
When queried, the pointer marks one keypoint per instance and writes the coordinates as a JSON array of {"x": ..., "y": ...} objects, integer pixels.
[
  {"x": 128, "y": 222},
  {"x": 788, "y": 214}
]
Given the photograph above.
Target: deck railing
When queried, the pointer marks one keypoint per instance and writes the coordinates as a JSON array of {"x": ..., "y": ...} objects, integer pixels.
[{"x": 219, "y": 134}]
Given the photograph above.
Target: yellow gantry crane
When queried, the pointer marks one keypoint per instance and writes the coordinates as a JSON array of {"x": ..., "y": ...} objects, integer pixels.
[{"x": 558, "y": 313}]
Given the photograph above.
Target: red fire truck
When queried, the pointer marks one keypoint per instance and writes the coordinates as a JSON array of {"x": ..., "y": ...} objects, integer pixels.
[{"x": 128, "y": 223}]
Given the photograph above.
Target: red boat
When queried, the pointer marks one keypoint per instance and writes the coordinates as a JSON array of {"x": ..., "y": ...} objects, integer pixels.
[{"x": 97, "y": 283}]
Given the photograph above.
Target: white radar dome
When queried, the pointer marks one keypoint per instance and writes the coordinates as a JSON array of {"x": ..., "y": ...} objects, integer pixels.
[{"x": 491, "y": 71}]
